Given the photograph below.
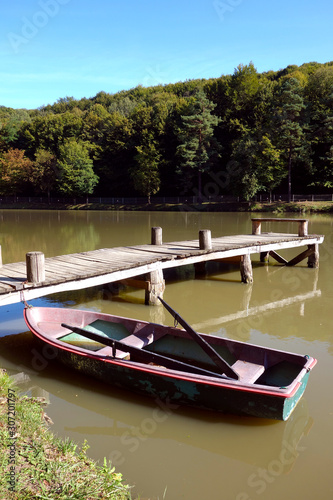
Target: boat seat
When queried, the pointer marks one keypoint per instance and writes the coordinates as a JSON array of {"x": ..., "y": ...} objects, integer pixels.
[
  {"x": 248, "y": 372},
  {"x": 140, "y": 339}
]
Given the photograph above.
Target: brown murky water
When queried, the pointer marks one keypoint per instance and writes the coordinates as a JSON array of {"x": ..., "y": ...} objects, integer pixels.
[{"x": 164, "y": 452}]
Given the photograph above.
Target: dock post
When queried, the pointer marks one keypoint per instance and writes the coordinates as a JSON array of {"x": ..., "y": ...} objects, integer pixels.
[
  {"x": 246, "y": 269},
  {"x": 303, "y": 227},
  {"x": 313, "y": 259},
  {"x": 156, "y": 287},
  {"x": 264, "y": 256},
  {"x": 205, "y": 239},
  {"x": 35, "y": 267},
  {"x": 200, "y": 269},
  {"x": 156, "y": 236},
  {"x": 256, "y": 226},
  {"x": 205, "y": 243}
]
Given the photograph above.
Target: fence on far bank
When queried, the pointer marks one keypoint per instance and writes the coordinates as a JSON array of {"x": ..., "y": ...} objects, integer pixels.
[{"x": 156, "y": 200}]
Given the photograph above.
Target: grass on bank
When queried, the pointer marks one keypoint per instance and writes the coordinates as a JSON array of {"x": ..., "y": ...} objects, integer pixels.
[
  {"x": 34, "y": 464},
  {"x": 294, "y": 207}
]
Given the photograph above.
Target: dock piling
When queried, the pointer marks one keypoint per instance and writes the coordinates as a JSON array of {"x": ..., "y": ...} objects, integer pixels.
[
  {"x": 256, "y": 226},
  {"x": 303, "y": 227},
  {"x": 156, "y": 236},
  {"x": 205, "y": 243},
  {"x": 155, "y": 279},
  {"x": 246, "y": 269},
  {"x": 264, "y": 256},
  {"x": 313, "y": 260},
  {"x": 156, "y": 288},
  {"x": 35, "y": 267},
  {"x": 205, "y": 239}
]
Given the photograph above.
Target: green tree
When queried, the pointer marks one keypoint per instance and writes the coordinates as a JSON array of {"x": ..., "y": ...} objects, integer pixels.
[
  {"x": 244, "y": 85},
  {"x": 50, "y": 131},
  {"x": 124, "y": 106},
  {"x": 258, "y": 165},
  {"x": 291, "y": 137},
  {"x": 324, "y": 174},
  {"x": 10, "y": 127},
  {"x": 319, "y": 95},
  {"x": 76, "y": 174},
  {"x": 198, "y": 147},
  {"x": 114, "y": 152},
  {"x": 45, "y": 172},
  {"x": 145, "y": 173}
]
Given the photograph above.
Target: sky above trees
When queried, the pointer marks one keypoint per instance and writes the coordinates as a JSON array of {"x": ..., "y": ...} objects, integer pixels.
[{"x": 56, "y": 48}]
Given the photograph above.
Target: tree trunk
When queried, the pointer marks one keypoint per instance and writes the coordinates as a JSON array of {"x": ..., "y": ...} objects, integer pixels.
[
  {"x": 289, "y": 175},
  {"x": 199, "y": 187}
]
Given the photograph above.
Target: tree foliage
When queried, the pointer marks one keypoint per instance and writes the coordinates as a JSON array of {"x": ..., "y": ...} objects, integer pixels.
[
  {"x": 15, "y": 171},
  {"x": 145, "y": 174},
  {"x": 291, "y": 138},
  {"x": 76, "y": 175},
  {"x": 197, "y": 146},
  {"x": 260, "y": 132},
  {"x": 45, "y": 171},
  {"x": 258, "y": 164}
]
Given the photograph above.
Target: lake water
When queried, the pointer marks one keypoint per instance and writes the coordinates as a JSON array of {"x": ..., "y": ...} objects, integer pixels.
[{"x": 171, "y": 453}]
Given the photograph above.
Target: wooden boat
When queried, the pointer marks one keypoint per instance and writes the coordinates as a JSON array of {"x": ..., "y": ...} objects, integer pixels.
[{"x": 177, "y": 366}]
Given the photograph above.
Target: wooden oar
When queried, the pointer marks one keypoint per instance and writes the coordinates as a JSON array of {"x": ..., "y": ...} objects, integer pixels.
[
  {"x": 218, "y": 360},
  {"x": 140, "y": 354}
]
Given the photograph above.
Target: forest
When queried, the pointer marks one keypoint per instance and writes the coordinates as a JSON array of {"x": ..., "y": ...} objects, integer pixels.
[{"x": 243, "y": 134}]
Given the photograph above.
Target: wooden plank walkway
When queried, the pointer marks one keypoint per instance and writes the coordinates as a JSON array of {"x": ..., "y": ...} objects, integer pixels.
[{"x": 107, "y": 265}]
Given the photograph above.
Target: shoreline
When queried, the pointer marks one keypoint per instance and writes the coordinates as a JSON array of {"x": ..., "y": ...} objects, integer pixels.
[{"x": 274, "y": 207}]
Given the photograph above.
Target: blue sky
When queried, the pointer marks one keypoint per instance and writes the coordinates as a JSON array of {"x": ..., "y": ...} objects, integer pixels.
[{"x": 56, "y": 48}]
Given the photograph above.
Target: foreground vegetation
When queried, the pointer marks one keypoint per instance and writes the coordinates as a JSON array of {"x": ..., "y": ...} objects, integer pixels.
[
  {"x": 35, "y": 464},
  {"x": 240, "y": 134}
]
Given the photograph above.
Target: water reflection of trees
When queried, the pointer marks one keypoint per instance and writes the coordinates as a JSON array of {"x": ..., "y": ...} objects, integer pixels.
[{"x": 47, "y": 232}]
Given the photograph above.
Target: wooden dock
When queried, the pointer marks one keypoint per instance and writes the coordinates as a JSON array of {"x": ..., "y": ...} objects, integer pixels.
[{"x": 142, "y": 265}]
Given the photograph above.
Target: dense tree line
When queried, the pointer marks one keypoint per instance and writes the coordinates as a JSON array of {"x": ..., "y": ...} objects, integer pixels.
[{"x": 240, "y": 134}]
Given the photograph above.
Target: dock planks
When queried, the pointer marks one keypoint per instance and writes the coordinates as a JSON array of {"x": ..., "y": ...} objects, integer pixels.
[{"x": 96, "y": 267}]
